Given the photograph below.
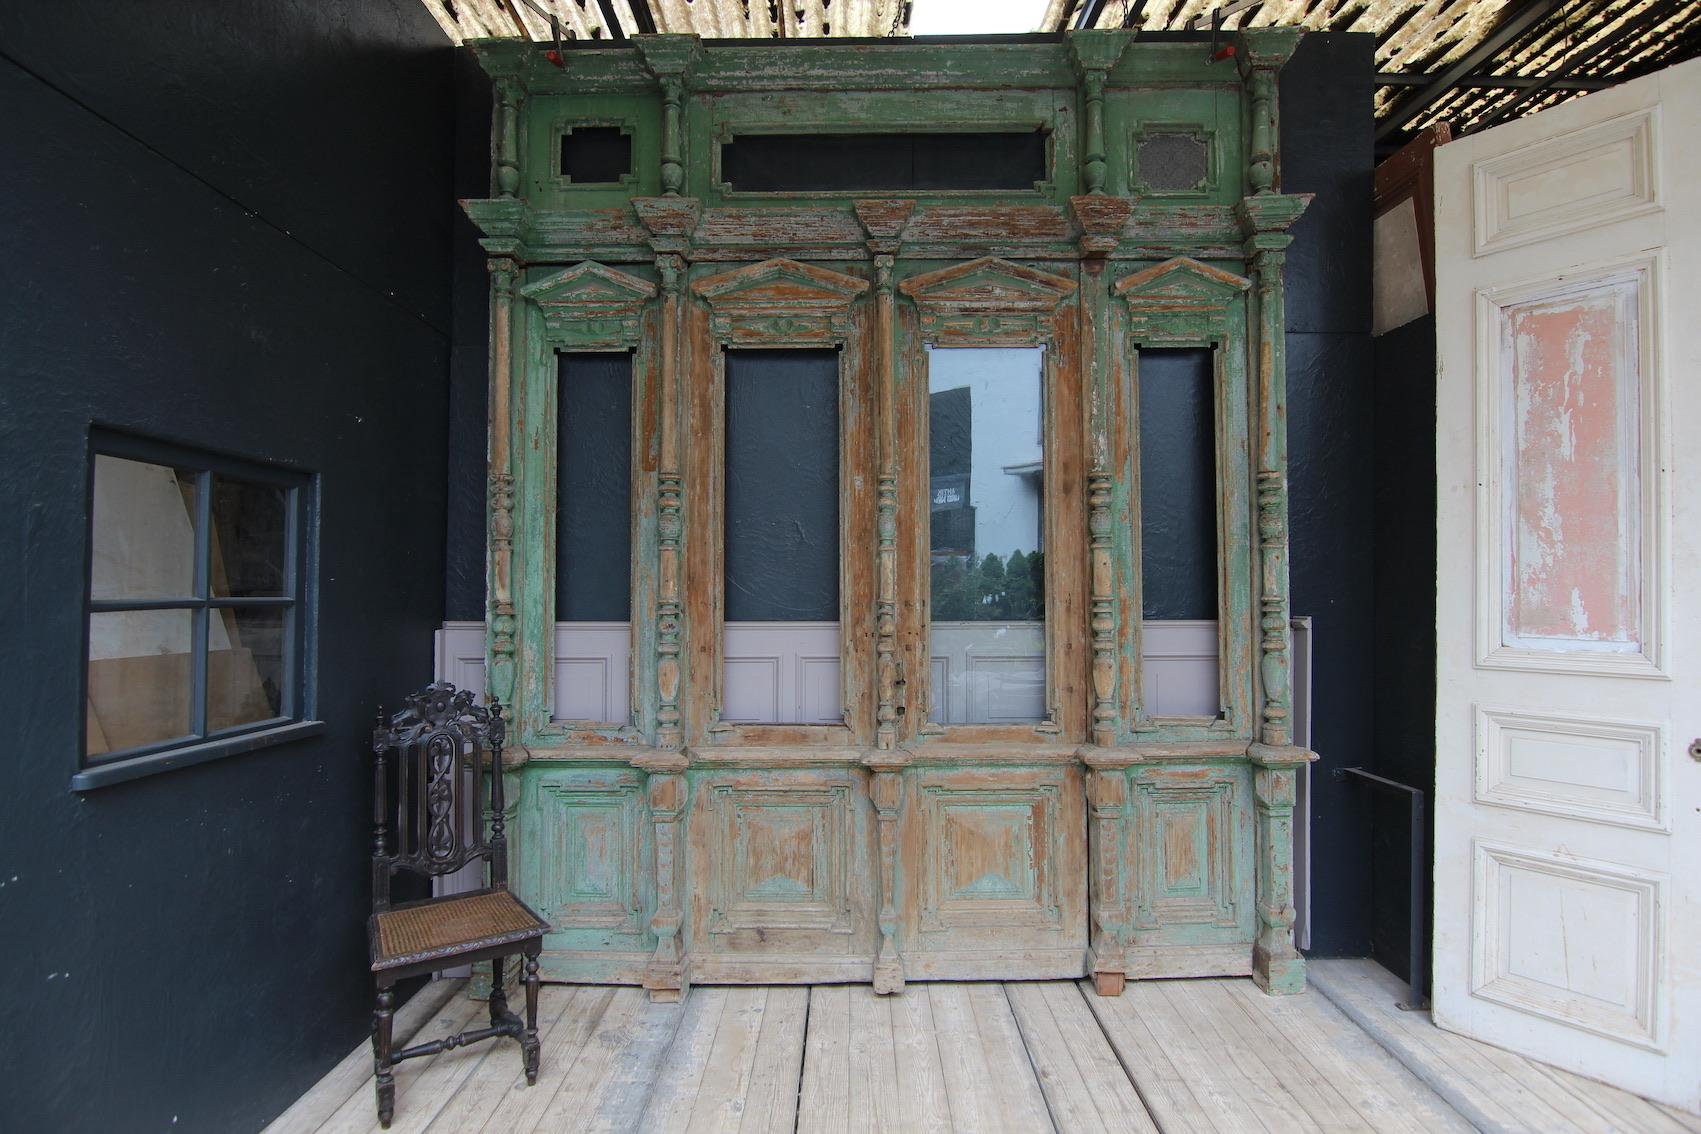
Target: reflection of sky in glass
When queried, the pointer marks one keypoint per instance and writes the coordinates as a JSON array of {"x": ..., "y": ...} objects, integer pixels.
[
  {"x": 976, "y": 17},
  {"x": 1005, "y": 441},
  {"x": 986, "y": 456}
]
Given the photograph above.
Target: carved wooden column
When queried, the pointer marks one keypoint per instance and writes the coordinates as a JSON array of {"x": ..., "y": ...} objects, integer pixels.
[
  {"x": 500, "y": 645},
  {"x": 507, "y": 141},
  {"x": 670, "y": 221},
  {"x": 886, "y": 790},
  {"x": 1265, "y": 216},
  {"x": 669, "y": 521},
  {"x": 666, "y": 977},
  {"x": 672, "y": 164},
  {"x": 669, "y": 59},
  {"x": 1101, "y": 219},
  {"x": 1276, "y": 965},
  {"x": 1109, "y": 869},
  {"x": 1095, "y": 53},
  {"x": 883, "y": 221}
]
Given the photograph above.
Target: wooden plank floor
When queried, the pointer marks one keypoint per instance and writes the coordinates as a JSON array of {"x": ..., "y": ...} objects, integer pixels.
[{"x": 1168, "y": 1056}]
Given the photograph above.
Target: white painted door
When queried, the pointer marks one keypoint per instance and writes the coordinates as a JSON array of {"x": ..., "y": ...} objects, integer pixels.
[{"x": 1568, "y": 804}]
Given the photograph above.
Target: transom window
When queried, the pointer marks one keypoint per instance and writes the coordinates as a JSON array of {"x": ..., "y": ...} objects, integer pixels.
[{"x": 197, "y": 627}]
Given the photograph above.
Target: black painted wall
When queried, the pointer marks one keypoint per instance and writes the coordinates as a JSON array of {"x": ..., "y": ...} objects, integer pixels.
[
  {"x": 1327, "y": 150},
  {"x": 225, "y": 225}
]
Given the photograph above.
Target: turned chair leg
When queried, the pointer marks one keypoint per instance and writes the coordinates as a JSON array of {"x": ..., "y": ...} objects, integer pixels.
[
  {"x": 529, "y": 1042},
  {"x": 498, "y": 991},
  {"x": 385, "y": 1076}
]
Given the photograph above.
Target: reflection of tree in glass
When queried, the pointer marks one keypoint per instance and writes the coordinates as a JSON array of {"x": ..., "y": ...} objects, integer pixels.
[{"x": 994, "y": 591}]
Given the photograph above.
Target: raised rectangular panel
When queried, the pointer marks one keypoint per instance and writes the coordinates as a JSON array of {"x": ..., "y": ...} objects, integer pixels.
[
  {"x": 1178, "y": 668},
  {"x": 818, "y": 689},
  {"x": 1571, "y": 484},
  {"x": 992, "y": 855},
  {"x": 581, "y": 689},
  {"x": 939, "y": 671},
  {"x": 1590, "y": 768},
  {"x": 782, "y": 859},
  {"x": 592, "y": 672},
  {"x": 1570, "y": 940},
  {"x": 782, "y": 673},
  {"x": 1189, "y": 873},
  {"x": 752, "y": 689},
  {"x": 1595, "y": 176},
  {"x": 1006, "y": 688},
  {"x": 460, "y": 655},
  {"x": 586, "y": 877}
]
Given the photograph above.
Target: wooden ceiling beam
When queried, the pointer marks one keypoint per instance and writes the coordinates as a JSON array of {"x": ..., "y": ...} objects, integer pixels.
[
  {"x": 1503, "y": 36},
  {"x": 1498, "y": 82}
]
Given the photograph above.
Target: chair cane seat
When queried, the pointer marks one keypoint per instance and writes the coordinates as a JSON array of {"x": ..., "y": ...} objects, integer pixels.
[{"x": 443, "y": 927}]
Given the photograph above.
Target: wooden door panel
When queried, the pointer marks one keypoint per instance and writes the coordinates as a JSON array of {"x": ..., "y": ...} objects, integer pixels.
[
  {"x": 1193, "y": 869},
  {"x": 586, "y": 867},
  {"x": 993, "y": 872},
  {"x": 780, "y": 865}
]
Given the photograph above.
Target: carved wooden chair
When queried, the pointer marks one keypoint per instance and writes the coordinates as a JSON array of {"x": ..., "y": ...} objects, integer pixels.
[{"x": 421, "y": 759}]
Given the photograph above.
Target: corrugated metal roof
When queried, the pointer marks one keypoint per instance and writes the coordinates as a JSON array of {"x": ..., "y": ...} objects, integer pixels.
[{"x": 1566, "y": 48}]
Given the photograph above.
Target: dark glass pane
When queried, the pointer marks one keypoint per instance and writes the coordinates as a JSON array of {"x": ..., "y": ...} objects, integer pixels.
[
  {"x": 250, "y": 546},
  {"x": 790, "y": 163},
  {"x": 986, "y": 452},
  {"x": 143, "y": 531},
  {"x": 593, "y": 534},
  {"x": 1178, "y": 484},
  {"x": 596, "y": 155},
  {"x": 139, "y": 678},
  {"x": 245, "y": 665},
  {"x": 782, "y": 485}
]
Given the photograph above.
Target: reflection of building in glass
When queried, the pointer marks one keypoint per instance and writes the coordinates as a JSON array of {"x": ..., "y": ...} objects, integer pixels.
[{"x": 986, "y": 450}]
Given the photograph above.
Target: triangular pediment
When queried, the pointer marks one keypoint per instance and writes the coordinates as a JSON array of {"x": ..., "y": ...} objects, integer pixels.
[
  {"x": 988, "y": 285},
  {"x": 776, "y": 285},
  {"x": 589, "y": 284},
  {"x": 1183, "y": 279}
]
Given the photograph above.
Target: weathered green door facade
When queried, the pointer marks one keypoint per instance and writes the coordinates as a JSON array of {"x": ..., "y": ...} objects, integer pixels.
[{"x": 1083, "y": 831}]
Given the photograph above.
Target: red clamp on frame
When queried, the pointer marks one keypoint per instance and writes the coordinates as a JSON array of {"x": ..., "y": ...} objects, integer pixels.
[
  {"x": 1219, "y": 50},
  {"x": 554, "y": 53}
]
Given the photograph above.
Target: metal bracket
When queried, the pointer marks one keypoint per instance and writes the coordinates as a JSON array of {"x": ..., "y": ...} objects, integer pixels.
[{"x": 1415, "y": 1000}]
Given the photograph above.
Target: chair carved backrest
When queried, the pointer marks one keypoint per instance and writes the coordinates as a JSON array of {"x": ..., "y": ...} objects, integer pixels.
[{"x": 420, "y": 759}]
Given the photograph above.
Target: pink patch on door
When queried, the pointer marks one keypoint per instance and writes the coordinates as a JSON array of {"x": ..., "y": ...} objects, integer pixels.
[{"x": 1576, "y": 549}]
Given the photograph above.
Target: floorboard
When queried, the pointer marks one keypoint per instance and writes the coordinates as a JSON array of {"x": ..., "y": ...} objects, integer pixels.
[
  {"x": 354, "y": 1074},
  {"x": 1085, "y": 1088},
  {"x": 1499, "y": 1089},
  {"x": 1166, "y": 1057}
]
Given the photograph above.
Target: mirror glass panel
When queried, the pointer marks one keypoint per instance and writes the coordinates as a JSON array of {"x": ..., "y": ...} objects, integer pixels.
[{"x": 986, "y": 485}]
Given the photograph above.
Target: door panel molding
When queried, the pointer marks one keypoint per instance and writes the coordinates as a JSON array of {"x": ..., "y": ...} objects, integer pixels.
[
  {"x": 1526, "y": 915},
  {"x": 1589, "y": 178},
  {"x": 1543, "y": 761},
  {"x": 1501, "y": 496}
]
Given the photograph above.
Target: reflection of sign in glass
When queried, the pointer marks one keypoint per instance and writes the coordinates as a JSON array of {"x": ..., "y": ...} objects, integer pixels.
[{"x": 949, "y": 492}]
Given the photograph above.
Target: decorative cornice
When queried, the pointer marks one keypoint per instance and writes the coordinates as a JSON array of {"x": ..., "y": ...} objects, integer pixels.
[
  {"x": 884, "y": 222},
  {"x": 989, "y": 285},
  {"x": 1097, "y": 50},
  {"x": 1102, "y": 219}
]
